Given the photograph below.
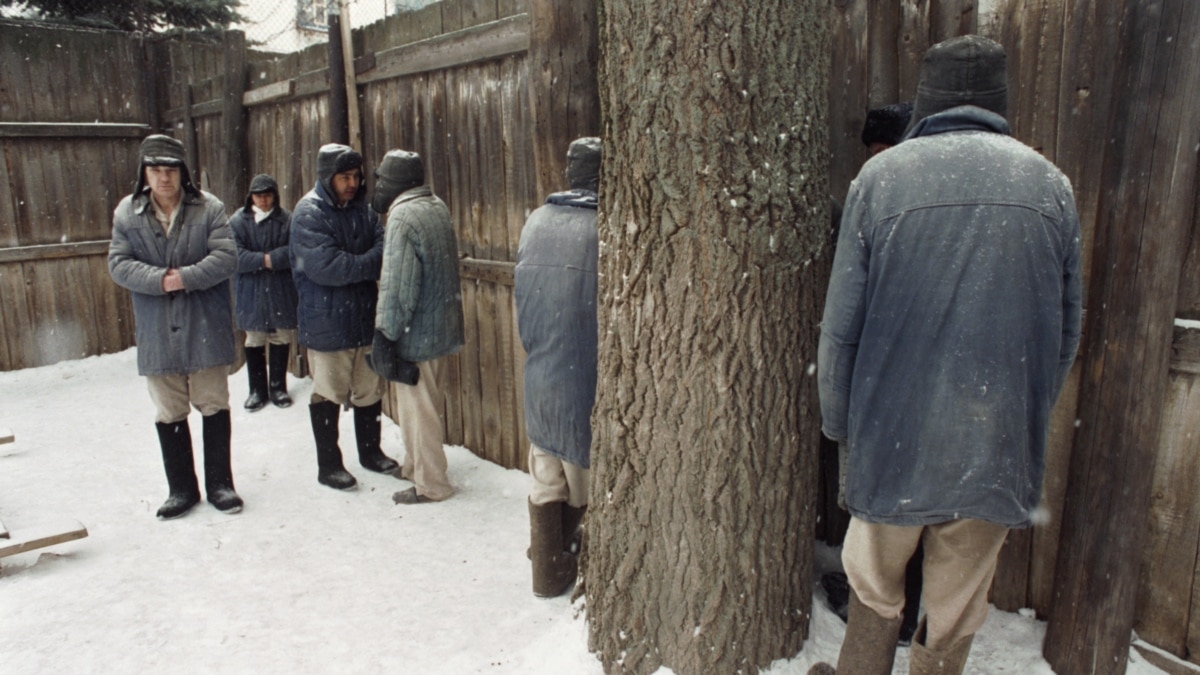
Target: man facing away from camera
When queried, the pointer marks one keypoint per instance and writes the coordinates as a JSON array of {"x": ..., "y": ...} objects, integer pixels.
[{"x": 951, "y": 322}]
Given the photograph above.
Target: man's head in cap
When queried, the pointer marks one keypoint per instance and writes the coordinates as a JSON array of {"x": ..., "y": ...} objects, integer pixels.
[
  {"x": 966, "y": 70},
  {"x": 583, "y": 164},
  {"x": 399, "y": 172},
  {"x": 264, "y": 193},
  {"x": 162, "y": 171},
  {"x": 885, "y": 126},
  {"x": 339, "y": 169}
]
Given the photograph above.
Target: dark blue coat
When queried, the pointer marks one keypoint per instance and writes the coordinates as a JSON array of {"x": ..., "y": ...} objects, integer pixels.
[
  {"x": 265, "y": 298},
  {"x": 337, "y": 253}
]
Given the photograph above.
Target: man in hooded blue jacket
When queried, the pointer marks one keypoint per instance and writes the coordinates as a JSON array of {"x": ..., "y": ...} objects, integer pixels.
[
  {"x": 951, "y": 321},
  {"x": 337, "y": 250}
]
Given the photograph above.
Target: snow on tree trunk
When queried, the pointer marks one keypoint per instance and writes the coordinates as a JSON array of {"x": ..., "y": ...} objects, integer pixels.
[{"x": 714, "y": 226}]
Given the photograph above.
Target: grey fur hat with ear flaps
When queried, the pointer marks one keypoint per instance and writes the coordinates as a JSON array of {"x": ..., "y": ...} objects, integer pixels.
[
  {"x": 160, "y": 150},
  {"x": 399, "y": 172}
]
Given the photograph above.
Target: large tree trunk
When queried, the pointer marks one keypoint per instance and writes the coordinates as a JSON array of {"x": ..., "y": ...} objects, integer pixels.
[{"x": 714, "y": 219}]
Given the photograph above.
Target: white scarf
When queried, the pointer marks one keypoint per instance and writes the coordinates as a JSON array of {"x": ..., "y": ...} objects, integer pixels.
[{"x": 259, "y": 214}]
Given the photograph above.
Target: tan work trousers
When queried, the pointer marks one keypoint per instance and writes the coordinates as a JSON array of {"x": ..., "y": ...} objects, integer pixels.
[
  {"x": 256, "y": 338},
  {"x": 344, "y": 377},
  {"x": 206, "y": 389},
  {"x": 419, "y": 409},
  {"x": 555, "y": 480},
  {"x": 960, "y": 561}
]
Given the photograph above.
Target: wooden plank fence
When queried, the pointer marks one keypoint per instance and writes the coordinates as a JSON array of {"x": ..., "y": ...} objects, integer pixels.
[{"x": 490, "y": 92}]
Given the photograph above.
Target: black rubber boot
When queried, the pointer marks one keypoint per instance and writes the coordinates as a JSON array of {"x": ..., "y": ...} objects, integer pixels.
[
  {"x": 277, "y": 382},
  {"x": 367, "y": 431},
  {"x": 256, "y": 369},
  {"x": 330, "y": 470},
  {"x": 218, "y": 475},
  {"x": 554, "y": 569},
  {"x": 176, "y": 442}
]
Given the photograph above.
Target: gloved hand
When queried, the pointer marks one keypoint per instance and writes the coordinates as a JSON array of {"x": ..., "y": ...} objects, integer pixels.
[{"x": 385, "y": 360}]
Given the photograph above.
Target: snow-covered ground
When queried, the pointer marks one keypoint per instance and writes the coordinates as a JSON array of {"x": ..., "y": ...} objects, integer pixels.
[{"x": 306, "y": 579}]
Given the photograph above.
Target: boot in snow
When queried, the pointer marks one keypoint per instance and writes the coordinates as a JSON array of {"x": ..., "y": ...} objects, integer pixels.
[
  {"x": 218, "y": 476},
  {"x": 278, "y": 376},
  {"x": 553, "y": 569},
  {"x": 949, "y": 661},
  {"x": 176, "y": 442},
  {"x": 256, "y": 369},
  {"x": 367, "y": 432},
  {"x": 869, "y": 647},
  {"x": 330, "y": 470}
]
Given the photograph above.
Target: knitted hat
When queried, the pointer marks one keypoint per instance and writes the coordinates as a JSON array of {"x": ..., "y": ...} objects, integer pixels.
[
  {"x": 399, "y": 171},
  {"x": 887, "y": 124},
  {"x": 583, "y": 164},
  {"x": 967, "y": 70}
]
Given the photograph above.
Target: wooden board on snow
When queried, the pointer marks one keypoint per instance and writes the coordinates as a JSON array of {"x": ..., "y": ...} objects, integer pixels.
[
  {"x": 28, "y": 539},
  {"x": 6, "y": 436}
]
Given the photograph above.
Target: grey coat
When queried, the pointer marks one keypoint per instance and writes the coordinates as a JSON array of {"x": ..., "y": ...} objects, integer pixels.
[
  {"x": 185, "y": 331},
  {"x": 556, "y": 315},
  {"x": 420, "y": 299},
  {"x": 951, "y": 321}
]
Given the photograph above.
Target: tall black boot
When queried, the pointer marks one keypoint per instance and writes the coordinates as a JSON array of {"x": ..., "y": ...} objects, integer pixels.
[
  {"x": 278, "y": 376},
  {"x": 176, "y": 442},
  {"x": 256, "y": 369},
  {"x": 367, "y": 432},
  {"x": 912, "y": 596},
  {"x": 218, "y": 476},
  {"x": 553, "y": 568},
  {"x": 330, "y": 470}
]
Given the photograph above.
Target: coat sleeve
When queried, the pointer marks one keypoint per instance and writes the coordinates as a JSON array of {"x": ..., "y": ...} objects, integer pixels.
[
  {"x": 841, "y": 325},
  {"x": 324, "y": 261},
  {"x": 280, "y": 259},
  {"x": 1072, "y": 294},
  {"x": 127, "y": 269},
  {"x": 400, "y": 285},
  {"x": 220, "y": 263},
  {"x": 248, "y": 259}
]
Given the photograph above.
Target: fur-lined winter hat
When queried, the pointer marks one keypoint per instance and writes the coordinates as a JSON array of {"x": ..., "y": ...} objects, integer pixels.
[
  {"x": 887, "y": 124},
  {"x": 967, "y": 70},
  {"x": 160, "y": 150},
  {"x": 583, "y": 164},
  {"x": 399, "y": 172},
  {"x": 334, "y": 158}
]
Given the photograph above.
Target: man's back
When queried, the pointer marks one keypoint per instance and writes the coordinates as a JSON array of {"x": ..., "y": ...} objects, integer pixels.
[{"x": 957, "y": 298}]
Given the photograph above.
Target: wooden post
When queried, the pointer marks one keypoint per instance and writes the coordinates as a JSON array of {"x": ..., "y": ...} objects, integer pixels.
[
  {"x": 190, "y": 143},
  {"x": 353, "y": 123},
  {"x": 339, "y": 130},
  {"x": 1148, "y": 183},
  {"x": 564, "y": 91},
  {"x": 150, "y": 82},
  {"x": 233, "y": 119}
]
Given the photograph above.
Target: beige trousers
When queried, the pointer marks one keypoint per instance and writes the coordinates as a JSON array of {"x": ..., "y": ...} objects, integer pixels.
[
  {"x": 555, "y": 480},
  {"x": 344, "y": 377},
  {"x": 419, "y": 409},
  {"x": 206, "y": 389},
  {"x": 960, "y": 561},
  {"x": 259, "y": 339}
]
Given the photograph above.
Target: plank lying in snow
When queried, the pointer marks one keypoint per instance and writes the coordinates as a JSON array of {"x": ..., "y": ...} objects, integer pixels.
[
  {"x": 6, "y": 436},
  {"x": 19, "y": 541}
]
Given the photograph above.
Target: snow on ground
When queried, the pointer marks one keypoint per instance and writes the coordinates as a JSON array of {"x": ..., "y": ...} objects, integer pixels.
[{"x": 306, "y": 579}]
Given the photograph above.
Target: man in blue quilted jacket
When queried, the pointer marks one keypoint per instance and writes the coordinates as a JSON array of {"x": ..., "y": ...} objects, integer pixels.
[{"x": 336, "y": 250}]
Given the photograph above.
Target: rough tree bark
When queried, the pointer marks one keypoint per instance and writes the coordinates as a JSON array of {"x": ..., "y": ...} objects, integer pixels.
[{"x": 714, "y": 217}]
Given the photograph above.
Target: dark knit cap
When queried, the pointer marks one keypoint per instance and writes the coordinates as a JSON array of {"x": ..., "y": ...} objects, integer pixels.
[
  {"x": 399, "y": 171},
  {"x": 887, "y": 124},
  {"x": 159, "y": 150},
  {"x": 583, "y": 164},
  {"x": 967, "y": 70}
]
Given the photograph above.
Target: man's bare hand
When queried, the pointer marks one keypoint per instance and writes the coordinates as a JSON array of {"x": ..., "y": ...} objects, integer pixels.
[{"x": 172, "y": 281}]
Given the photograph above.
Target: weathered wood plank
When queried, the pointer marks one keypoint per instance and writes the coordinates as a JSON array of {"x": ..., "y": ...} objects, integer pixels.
[
  {"x": 847, "y": 93},
  {"x": 41, "y": 536},
  {"x": 72, "y": 130},
  {"x": 472, "y": 45}
]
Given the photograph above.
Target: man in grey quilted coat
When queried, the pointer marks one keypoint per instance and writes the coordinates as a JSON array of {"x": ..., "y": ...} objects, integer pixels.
[{"x": 419, "y": 317}]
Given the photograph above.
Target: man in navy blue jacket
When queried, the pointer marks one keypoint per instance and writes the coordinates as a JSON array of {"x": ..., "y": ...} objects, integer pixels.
[
  {"x": 951, "y": 322},
  {"x": 337, "y": 251}
]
